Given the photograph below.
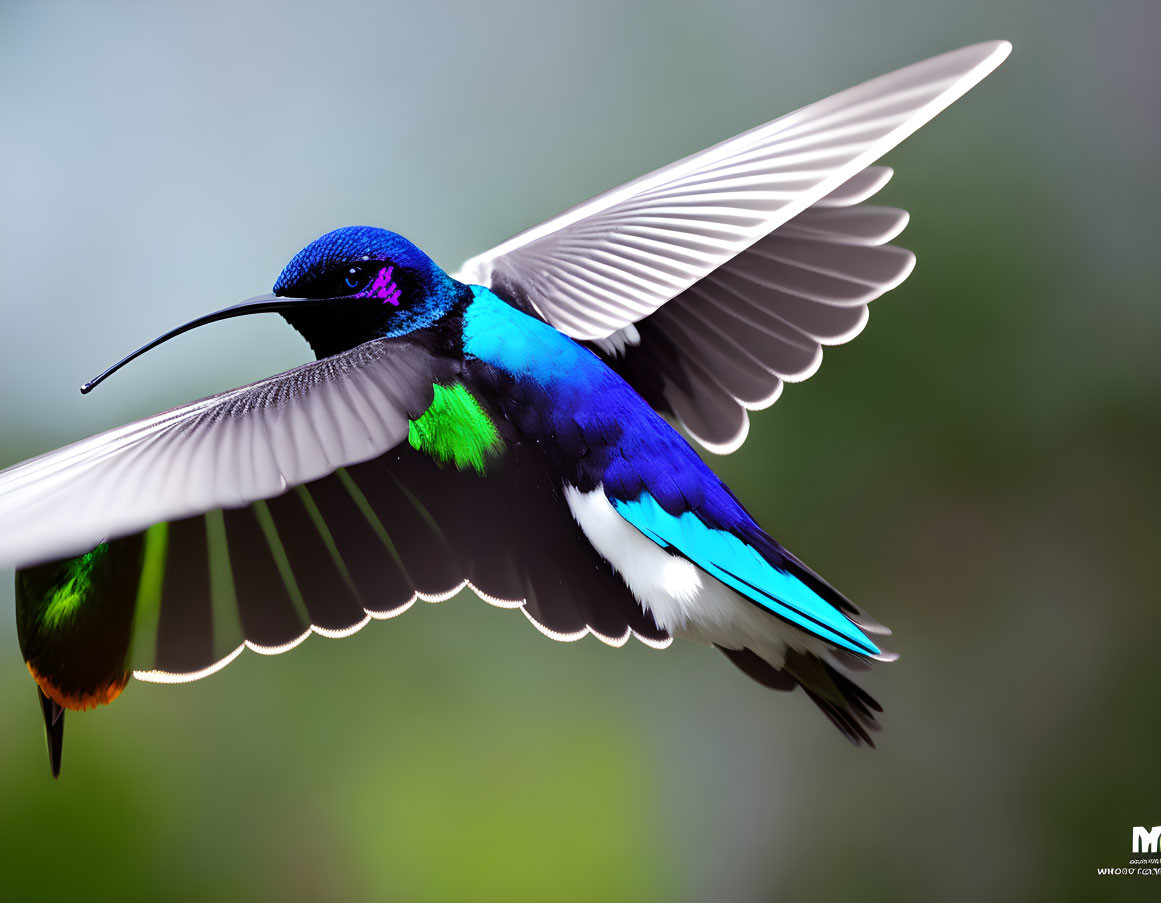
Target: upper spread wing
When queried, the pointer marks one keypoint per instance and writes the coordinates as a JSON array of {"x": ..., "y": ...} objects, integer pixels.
[
  {"x": 728, "y": 343},
  {"x": 221, "y": 452},
  {"x": 680, "y": 233}
]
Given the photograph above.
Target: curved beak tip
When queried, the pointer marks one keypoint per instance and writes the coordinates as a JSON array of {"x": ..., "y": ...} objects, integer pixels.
[{"x": 259, "y": 304}]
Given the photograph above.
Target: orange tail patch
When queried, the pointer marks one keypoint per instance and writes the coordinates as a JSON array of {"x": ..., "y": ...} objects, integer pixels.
[{"x": 78, "y": 702}]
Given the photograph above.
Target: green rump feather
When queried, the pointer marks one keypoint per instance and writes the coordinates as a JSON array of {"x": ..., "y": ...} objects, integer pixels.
[
  {"x": 455, "y": 429},
  {"x": 64, "y": 598}
]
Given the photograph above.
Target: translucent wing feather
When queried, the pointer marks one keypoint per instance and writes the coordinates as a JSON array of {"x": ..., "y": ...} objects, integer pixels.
[
  {"x": 729, "y": 343},
  {"x": 182, "y": 599},
  {"x": 224, "y": 451},
  {"x": 618, "y": 257}
]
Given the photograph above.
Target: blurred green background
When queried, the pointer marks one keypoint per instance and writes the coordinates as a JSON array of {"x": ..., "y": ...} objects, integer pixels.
[{"x": 979, "y": 469}]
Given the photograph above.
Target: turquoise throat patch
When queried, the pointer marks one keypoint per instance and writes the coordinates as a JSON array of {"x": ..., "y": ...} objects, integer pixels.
[{"x": 456, "y": 430}]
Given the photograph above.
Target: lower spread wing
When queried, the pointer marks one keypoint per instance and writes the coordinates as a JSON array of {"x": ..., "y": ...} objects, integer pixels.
[
  {"x": 185, "y": 597},
  {"x": 224, "y": 451}
]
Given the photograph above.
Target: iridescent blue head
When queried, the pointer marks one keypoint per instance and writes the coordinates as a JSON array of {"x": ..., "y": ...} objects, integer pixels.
[
  {"x": 348, "y": 287},
  {"x": 392, "y": 288}
]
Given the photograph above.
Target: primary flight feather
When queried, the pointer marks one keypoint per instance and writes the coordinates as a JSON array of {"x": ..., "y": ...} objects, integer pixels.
[{"x": 502, "y": 429}]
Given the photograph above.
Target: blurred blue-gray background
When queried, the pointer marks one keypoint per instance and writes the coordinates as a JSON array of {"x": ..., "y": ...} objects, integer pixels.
[{"x": 979, "y": 469}]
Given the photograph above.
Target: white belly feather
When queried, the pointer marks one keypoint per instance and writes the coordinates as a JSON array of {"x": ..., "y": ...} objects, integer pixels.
[{"x": 683, "y": 599}]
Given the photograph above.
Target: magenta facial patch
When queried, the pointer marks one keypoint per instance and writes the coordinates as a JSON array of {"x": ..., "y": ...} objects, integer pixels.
[{"x": 383, "y": 287}]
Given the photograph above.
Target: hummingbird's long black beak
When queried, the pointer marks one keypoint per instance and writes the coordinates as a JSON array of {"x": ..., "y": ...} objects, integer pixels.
[{"x": 259, "y": 304}]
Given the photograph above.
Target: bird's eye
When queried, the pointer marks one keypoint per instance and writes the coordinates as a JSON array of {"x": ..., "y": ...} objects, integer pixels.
[{"x": 354, "y": 277}]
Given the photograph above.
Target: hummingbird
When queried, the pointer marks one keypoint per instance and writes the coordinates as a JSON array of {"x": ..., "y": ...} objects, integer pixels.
[{"x": 522, "y": 428}]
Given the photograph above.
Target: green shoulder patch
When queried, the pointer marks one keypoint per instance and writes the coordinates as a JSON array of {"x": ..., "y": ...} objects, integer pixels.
[{"x": 455, "y": 429}]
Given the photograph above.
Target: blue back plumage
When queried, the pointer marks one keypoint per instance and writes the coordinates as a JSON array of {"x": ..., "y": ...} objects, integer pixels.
[
  {"x": 650, "y": 474},
  {"x": 643, "y": 451}
]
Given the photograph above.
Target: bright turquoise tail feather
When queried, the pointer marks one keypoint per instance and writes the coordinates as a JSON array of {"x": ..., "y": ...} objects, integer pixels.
[{"x": 743, "y": 569}]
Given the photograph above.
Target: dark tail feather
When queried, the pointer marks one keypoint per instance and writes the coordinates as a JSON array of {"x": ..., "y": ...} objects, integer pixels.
[
  {"x": 53, "y": 729},
  {"x": 848, "y": 706}
]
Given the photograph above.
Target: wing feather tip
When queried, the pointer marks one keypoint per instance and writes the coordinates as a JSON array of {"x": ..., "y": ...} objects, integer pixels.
[
  {"x": 728, "y": 446},
  {"x": 158, "y": 676}
]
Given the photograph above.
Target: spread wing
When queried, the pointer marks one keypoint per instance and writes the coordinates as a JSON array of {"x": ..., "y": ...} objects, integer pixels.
[
  {"x": 722, "y": 275},
  {"x": 223, "y": 451},
  {"x": 184, "y": 598},
  {"x": 293, "y": 506},
  {"x": 729, "y": 343}
]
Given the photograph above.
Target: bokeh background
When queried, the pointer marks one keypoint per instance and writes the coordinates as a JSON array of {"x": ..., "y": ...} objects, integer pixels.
[{"x": 979, "y": 469}]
